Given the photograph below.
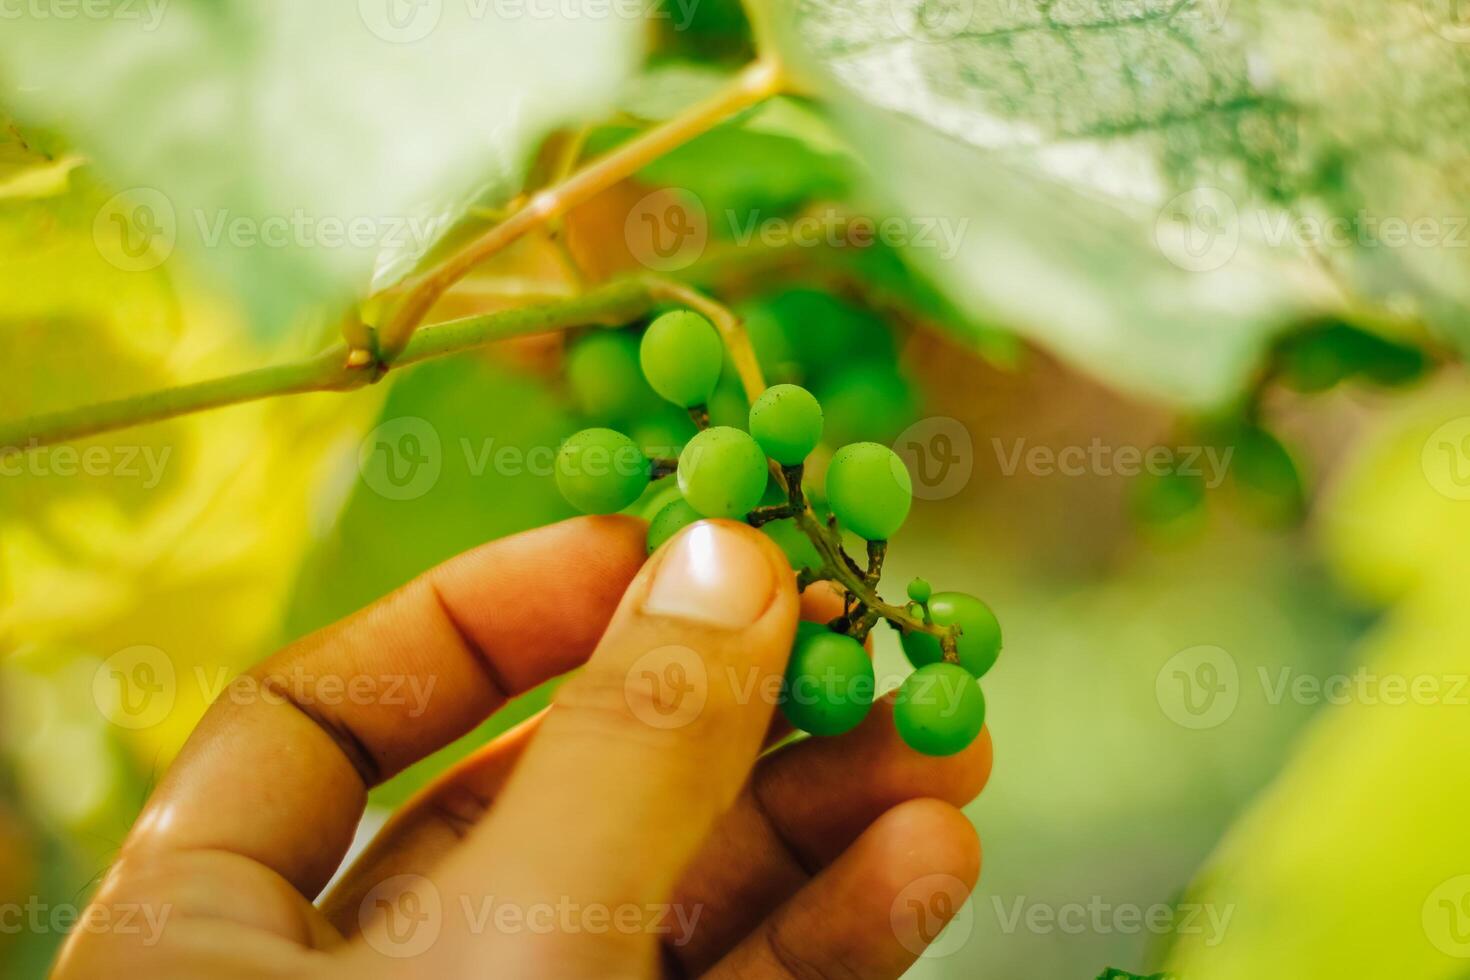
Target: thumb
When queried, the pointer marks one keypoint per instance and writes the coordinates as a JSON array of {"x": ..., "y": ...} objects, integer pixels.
[{"x": 653, "y": 739}]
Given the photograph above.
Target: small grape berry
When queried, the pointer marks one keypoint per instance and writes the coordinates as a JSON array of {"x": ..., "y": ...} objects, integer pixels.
[
  {"x": 787, "y": 422},
  {"x": 939, "y": 709},
  {"x": 600, "y": 471},
  {"x": 978, "y": 644},
  {"x": 722, "y": 473},
  {"x": 682, "y": 355},
  {"x": 669, "y": 521},
  {"x": 829, "y": 683},
  {"x": 869, "y": 490}
]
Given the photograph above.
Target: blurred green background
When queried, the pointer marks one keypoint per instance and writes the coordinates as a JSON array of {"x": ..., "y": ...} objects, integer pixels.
[{"x": 1230, "y": 723}]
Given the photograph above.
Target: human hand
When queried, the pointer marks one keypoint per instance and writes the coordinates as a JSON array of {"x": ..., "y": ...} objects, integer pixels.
[{"x": 634, "y": 829}]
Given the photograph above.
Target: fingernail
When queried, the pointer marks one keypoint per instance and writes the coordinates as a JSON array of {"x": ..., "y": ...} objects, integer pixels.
[{"x": 714, "y": 575}]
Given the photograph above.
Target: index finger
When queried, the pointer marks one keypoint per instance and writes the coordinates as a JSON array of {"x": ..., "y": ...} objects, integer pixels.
[{"x": 278, "y": 769}]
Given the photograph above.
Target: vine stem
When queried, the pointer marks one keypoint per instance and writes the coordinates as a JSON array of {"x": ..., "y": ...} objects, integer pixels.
[
  {"x": 837, "y": 570},
  {"x": 758, "y": 81},
  {"x": 335, "y": 369}
]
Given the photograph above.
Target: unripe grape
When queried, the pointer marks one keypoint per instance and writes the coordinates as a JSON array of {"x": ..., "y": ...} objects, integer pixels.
[
  {"x": 920, "y": 591},
  {"x": 939, "y": 709},
  {"x": 867, "y": 402},
  {"x": 792, "y": 540},
  {"x": 722, "y": 473},
  {"x": 605, "y": 379},
  {"x": 787, "y": 422},
  {"x": 600, "y": 471},
  {"x": 829, "y": 683},
  {"x": 660, "y": 494},
  {"x": 869, "y": 490},
  {"x": 681, "y": 356},
  {"x": 673, "y": 518},
  {"x": 978, "y": 644}
]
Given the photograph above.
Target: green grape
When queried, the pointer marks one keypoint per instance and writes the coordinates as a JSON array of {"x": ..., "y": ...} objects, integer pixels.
[
  {"x": 978, "y": 644},
  {"x": 682, "y": 355},
  {"x": 769, "y": 339},
  {"x": 939, "y": 709},
  {"x": 600, "y": 471},
  {"x": 828, "y": 333},
  {"x": 867, "y": 402},
  {"x": 792, "y": 540},
  {"x": 669, "y": 521},
  {"x": 805, "y": 627},
  {"x": 869, "y": 490},
  {"x": 829, "y": 684},
  {"x": 665, "y": 431},
  {"x": 660, "y": 494},
  {"x": 722, "y": 472},
  {"x": 727, "y": 406},
  {"x": 920, "y": 591},
  {"x": 605, "y": 379},
  {"x": 787, "y": 422}
]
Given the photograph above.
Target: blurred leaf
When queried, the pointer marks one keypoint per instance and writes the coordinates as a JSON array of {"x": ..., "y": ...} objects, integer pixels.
[
  {"x": 1123, "y": 179},
  {"x": 291, "y": 145},
  {"x": 31, "y": 165},
  {"x": 1354, "y": 861},
  {"x": 173, "y": 535}
]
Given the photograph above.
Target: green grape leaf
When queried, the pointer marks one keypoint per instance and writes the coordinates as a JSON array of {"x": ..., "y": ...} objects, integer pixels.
[
  {"x": 296, "y": 149},
  {"x": 1151, "y": 188}
]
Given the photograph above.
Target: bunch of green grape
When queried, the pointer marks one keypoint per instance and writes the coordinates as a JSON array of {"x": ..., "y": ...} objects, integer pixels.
[{"x": 755, "y": 472}]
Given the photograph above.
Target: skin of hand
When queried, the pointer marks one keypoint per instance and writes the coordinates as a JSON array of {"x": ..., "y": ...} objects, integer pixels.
[{"x": 639, "y": 827}]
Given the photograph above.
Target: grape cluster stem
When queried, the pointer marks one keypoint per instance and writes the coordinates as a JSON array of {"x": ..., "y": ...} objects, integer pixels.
[{"x": 866, "y": 607}]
